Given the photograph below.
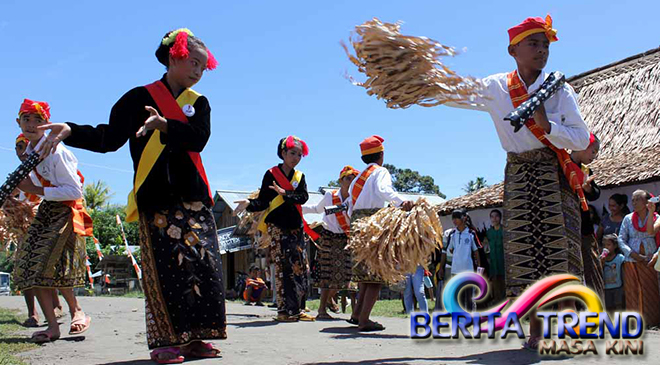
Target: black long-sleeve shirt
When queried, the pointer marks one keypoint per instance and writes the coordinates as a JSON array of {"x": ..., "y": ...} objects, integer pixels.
[
  {"x": 286, "y": 216},
  {"x": 174, "y": 177}
]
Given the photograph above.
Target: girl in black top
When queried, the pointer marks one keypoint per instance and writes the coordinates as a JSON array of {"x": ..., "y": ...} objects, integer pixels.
[
  {"x": 283, "y": 191},
  {"x": 185, "y": 300}
]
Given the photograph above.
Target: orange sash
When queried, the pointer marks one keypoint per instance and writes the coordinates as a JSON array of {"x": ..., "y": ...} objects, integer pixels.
[
  {"x": 359, "y": 184},
  {"x": 571, "y": 170},
  {"x": 82, "y": 222},
  {"x": 341, "y": 216}
]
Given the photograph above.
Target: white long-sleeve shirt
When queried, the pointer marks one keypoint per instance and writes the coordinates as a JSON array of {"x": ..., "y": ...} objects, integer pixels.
[
  {"x": 376, "y": 193},
  {"x": 567, "y": 128},
  {"x": 329, "y": 221},
  {"x": 61, "y": 170}
]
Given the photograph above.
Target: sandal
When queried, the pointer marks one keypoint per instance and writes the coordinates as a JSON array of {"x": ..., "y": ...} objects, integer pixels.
[
  {"x": 41, "y": 337},
  {"x": 31, "y": 322},
  {"x": 306, "y": 317},
  {"x": 207, "y": 350},
  {"x": 353, "y": 321},
  {"x": 174, "y": 351},
  {"x": 324, "y": 316},
  {"x": 85, "y": 322},
  {"x": 372, "y": 327},
  {"x": 285, "y": 318},
  {"x": 333, "y": 308},
  {"x": 59, "y": 313},
  {"x": 532, "y": 344}
]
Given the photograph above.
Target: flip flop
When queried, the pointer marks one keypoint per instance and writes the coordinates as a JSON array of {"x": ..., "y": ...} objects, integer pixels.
[
  {"x": 372, "y": 327},
  {"x": 353, "y": 321},
  {"x": 334, "y": 308},
  {"x": 285, "y": 318},
  {"x": 85, "y": 322},
  {"x": 208, "y": 351},
  {"x": 171, "y": 350},
  {"x": 31, "y": 322},
  {"x": 324, "y": 316},
  {"x": 59, "y": 313},
  {"x": 532, "y": 344},
  {"x": 41, "y": 337},
  {"x": 306, "y": 317}
]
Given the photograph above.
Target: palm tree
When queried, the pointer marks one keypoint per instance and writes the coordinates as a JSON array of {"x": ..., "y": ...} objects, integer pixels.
[
  {"x": 96, "y": 194},
  {"x": 474, "y": 185}
]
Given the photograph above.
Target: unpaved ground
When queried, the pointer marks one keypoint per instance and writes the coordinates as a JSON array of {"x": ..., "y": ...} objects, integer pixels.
[{"x": 117, "y": 337}]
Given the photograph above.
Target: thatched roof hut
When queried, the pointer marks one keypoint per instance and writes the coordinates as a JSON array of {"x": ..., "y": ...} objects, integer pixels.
[{"x": 620, "y": 103}]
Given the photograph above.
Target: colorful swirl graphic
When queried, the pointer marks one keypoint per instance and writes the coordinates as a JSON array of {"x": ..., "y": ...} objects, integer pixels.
[{"x": 524, "y": 303}]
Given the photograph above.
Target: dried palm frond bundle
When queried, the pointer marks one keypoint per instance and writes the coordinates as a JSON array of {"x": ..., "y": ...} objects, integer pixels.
[
  {"x": 406, "y": 70},
  {"x": 393, "y": 242},
  {"x": 15, "y": 218},
  {"x": 248, "y": 225}
]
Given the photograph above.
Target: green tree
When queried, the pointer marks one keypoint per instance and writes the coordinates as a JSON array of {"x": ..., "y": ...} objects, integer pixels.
[
  {"x": 108, "y": 232},
  {"x": 474, "y": 185},
  {"x": 333, "y": 184},
  {"x": 96, "y": 194},
  {"x": 409, "y": 181}
]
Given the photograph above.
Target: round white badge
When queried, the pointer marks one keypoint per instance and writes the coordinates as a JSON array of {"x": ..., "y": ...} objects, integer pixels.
[{"x": 188, "y": 110}]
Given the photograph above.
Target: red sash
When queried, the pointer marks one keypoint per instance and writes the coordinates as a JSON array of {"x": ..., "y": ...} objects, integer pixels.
[
  {"x": 571, "y": 170},
  {"x": 170, "y": 109},
  {"x": 285, "y": 184},
  {"x": 341, "y": 216}
]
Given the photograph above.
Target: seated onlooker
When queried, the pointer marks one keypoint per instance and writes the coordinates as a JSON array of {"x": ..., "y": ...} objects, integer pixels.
[
  {"x": 255, "y": 287},
  {"x": 613, "y": 274}
]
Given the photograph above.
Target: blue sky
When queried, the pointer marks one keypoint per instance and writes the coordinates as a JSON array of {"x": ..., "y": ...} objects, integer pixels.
[{"x": 282, "y": 72}]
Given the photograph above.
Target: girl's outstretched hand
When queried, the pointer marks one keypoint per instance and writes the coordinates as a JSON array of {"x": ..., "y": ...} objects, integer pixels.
[{"x": 58, "y": 133}]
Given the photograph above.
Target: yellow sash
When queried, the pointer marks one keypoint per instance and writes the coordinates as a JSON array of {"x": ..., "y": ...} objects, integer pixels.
[
  {"x": 295, "y": 180},
  {"x": 150, "y": 155}
]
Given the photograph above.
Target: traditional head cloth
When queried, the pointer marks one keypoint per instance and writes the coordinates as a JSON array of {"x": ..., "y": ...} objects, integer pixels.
[
  {"x": 531, "y": 26},
  {"x": 35, "y": 107},
  {"x": 177, "y": 41},
  {"x": 592, "y": 139},
  {"x": 348, "y": 170},
  {"x": 292, "y": 142},
  {"x": 22, "y": 138},
  {"x": 371, "y": 145}
]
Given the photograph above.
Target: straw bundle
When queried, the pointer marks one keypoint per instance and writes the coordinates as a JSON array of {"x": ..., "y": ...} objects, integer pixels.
[
  {"x": 15, "y": 218},
  {"x": 249, "y": 223},
  {"x": 406, "y": 70},
  {"x": 394, "y": 242}
]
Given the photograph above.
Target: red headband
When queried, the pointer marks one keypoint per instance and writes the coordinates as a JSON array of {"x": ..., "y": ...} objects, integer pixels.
[
  {"x": 290, "y": 143},
  {"x": 179, "y": 49},
  {"x": 592, "y": 139},
  {"x": 35, "y": 107},
  {"x": 531, "y": 26},
  {"x": 22, "y": 138}
]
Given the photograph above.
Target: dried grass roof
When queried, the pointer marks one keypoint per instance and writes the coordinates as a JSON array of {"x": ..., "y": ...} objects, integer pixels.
[{"x": 620, "y": 103}]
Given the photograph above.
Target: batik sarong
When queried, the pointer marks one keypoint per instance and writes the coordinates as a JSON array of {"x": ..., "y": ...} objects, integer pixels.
[
  {"x": 361, "y": 273},
  {"x": 334, "y": 261},
  {"x": 541, "y": 221},
  {"x": 182, "y": 276},
  {"x": 52, "y": 255},
  {"x": 287, "y": 250},
  {"x": 640, "y": 283}
]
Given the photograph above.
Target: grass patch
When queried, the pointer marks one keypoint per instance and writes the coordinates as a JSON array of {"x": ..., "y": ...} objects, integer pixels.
[
  {"x": 11, "y": 342},
  {"x": 132, "y": 294}
]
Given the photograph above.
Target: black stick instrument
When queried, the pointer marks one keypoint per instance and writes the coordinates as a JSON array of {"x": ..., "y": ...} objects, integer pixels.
[
  {"x": 18, "y": 175},
  {"x": 519, "y": 116}
]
